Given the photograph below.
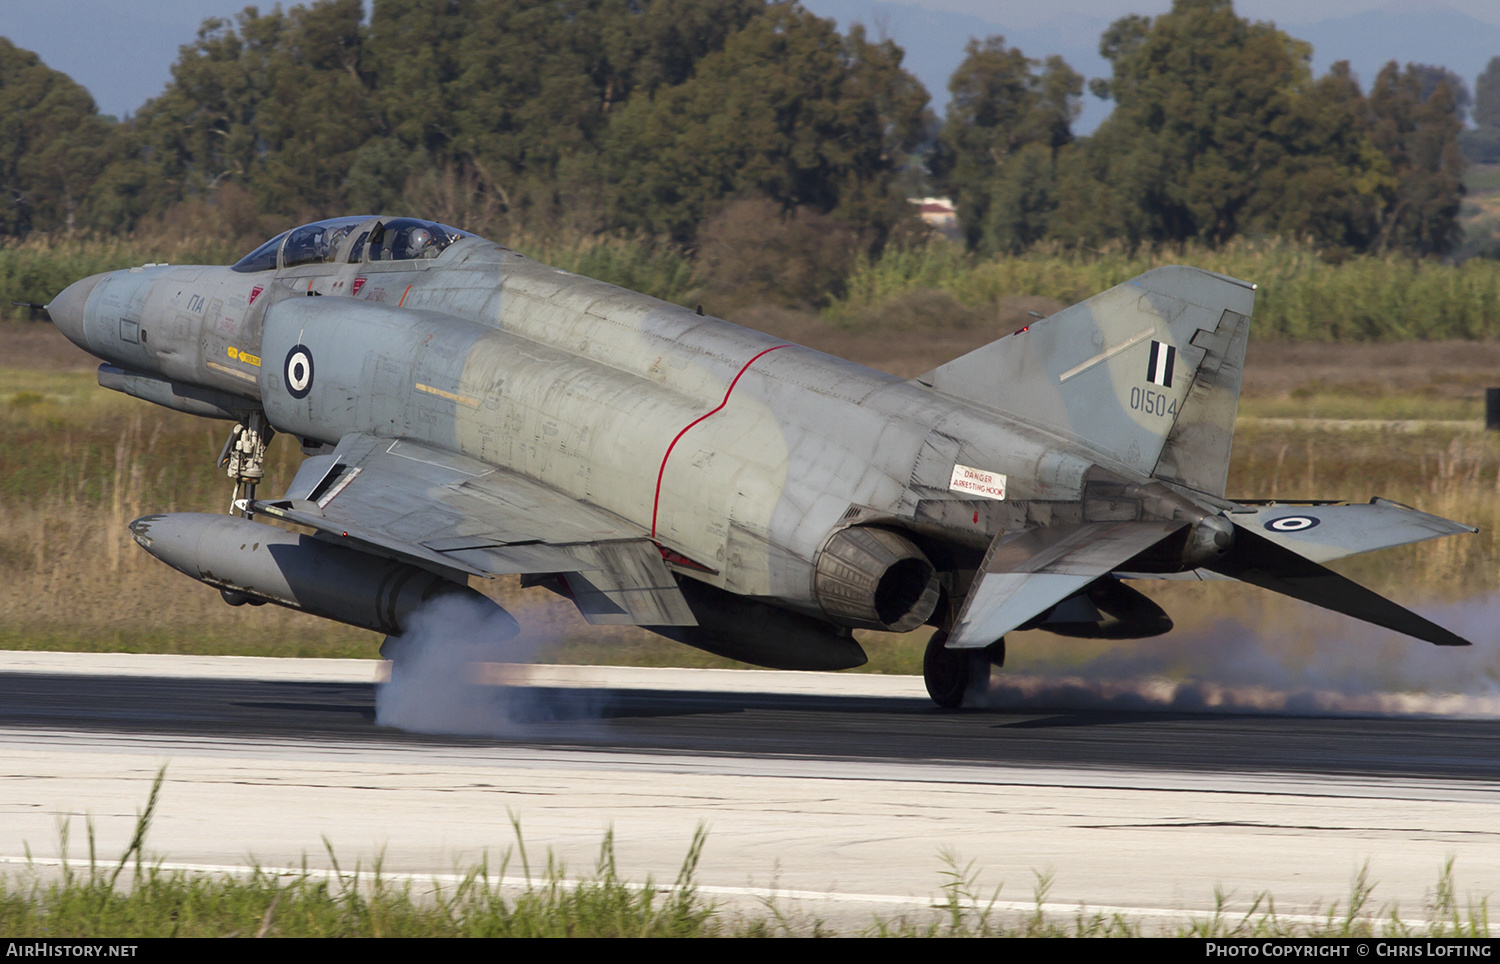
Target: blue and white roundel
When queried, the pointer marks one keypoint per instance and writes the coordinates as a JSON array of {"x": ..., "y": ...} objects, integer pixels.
[
  {"x": 1292, "y": 523},
  {"x": 298, "y": 371}
]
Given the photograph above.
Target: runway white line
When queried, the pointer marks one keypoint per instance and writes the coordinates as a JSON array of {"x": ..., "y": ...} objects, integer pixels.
[{"x": 272, "y": 669}]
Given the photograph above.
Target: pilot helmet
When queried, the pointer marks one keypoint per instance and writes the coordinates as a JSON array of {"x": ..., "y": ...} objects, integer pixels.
[{"x": 417, "y": 241}]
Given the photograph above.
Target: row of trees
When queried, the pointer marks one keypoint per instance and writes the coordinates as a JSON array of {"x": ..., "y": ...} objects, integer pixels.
[
  {"x": 1218, "y": 129},
  {"x": 609, "y": 114},
  {"x": 651, "y": 115}
]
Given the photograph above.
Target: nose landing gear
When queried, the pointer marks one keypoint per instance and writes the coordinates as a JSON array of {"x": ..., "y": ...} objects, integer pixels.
[
  {"x": 952, "y": 674},
  {"x": 244, "y": 458}
]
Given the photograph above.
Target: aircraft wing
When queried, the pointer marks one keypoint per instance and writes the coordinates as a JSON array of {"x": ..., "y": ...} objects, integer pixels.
[
  {"x": 1028, "y": 571},
  {"x": 410, "y": 501}
]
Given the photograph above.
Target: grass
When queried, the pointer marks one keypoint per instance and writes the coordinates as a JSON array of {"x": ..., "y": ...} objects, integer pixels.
[
  {"x": 102, "y": 901},
  {"x": 1364, "y": 402},
  {"x": 1301, "y": 296},
  {"x": 136, "y": 896},
  {"x": 654, "y": 268}
]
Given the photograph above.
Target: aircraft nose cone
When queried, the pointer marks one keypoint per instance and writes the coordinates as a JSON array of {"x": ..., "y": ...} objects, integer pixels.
[{"x": 66, "y": 310}]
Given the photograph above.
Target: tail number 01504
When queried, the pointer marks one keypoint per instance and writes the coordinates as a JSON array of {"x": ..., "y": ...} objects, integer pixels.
[{"x": 1153, "y": 403}]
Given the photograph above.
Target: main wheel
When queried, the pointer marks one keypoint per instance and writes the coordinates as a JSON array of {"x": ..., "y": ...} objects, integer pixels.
[{"x": 950, "y": 673}]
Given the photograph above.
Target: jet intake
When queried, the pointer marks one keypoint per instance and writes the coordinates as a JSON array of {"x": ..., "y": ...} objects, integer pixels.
[
  {"x": 869, "y": 578},
  {"x": 251, "y": 562}
]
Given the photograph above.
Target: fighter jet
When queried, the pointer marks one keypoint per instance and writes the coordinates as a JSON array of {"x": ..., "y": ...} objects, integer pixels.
[{"x": 469, "y": 413}]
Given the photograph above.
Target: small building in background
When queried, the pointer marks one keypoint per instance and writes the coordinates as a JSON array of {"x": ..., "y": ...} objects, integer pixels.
[{"x": 938, "y": 212}]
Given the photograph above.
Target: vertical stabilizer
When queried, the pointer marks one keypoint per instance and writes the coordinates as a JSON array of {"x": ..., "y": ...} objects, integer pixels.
[{"x": 1147, "y": 373}]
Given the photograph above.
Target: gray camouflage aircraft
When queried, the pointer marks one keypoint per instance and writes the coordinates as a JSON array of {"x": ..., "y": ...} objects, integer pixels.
[{"x": 470, "y": 413}]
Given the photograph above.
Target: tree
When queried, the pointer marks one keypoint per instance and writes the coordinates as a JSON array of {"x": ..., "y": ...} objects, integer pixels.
[
  {"x": 1418, "y": 131},
  {"x": 1430, "y": 76},
  {"x": 1487, "y": 96},
  {"x": 1482, "y": 145},
  {"x": 789, "y": 110},
  {"x": 1005, "y": 123},
  {"x": 519, "y": 95},
  {"x": 1200, "y": 97},
  {"x": 1335, "y": 180},
  {"x": 280, "y": 103},
  {"x": 1219, "y": 130},
  {"x": 53, "y": 145}
]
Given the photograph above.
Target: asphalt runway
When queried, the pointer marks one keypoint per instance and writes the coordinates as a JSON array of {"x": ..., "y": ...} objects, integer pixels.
[
  {"x": 844, "y": 796},
  {"x": 835, "y": 727}
]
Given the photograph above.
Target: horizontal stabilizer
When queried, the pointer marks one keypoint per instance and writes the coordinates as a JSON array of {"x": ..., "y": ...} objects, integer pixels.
[
  {"x": 1259, "y": 561},
  {"x": 1029, "y": 571},
  {"x": 1325, "y": 532}
]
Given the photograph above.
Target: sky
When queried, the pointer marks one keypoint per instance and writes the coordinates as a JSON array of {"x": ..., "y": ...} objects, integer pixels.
[{"x": 123, "y": 50}]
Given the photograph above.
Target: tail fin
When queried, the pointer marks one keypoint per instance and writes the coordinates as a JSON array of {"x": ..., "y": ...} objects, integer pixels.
[{"x": 1147, "y": 373}]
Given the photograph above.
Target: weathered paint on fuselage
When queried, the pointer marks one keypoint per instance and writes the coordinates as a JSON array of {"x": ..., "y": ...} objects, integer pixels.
[{"x": 602, "y": 394}]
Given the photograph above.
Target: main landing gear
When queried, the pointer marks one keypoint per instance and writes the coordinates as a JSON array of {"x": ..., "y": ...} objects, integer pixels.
[{"x": 951, "y": 674}]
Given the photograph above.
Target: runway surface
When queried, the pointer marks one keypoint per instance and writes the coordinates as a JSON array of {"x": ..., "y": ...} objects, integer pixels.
[{"x": 845, "y": 786}]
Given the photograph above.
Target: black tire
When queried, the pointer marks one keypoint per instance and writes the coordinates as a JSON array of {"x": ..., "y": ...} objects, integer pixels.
[
  {"x": 951, "y": 674},
  {"x": 945, "y": 671}
]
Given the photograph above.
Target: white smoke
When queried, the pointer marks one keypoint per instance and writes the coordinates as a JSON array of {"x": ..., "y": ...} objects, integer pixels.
[
  {"x": 462, "y": 671},
  {"x": 1330, "y": 666}
]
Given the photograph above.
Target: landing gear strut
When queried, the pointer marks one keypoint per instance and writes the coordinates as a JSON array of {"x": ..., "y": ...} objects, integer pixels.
[
  {"x": 950, "y": 674},
  {"x": 244, "y": 458}
]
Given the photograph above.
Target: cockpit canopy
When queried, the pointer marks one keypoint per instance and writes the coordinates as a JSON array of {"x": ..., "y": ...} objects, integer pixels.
[{"x": 352, "y": 240}]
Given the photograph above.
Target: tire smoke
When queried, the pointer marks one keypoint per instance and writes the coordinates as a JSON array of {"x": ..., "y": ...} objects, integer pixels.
[
  {"x": 1329, "y": 666},
  {"x": 447, "y": 677}
]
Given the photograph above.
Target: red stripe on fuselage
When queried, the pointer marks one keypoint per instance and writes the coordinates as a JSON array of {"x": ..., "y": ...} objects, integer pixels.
[{"x": 656, "y": 502}]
